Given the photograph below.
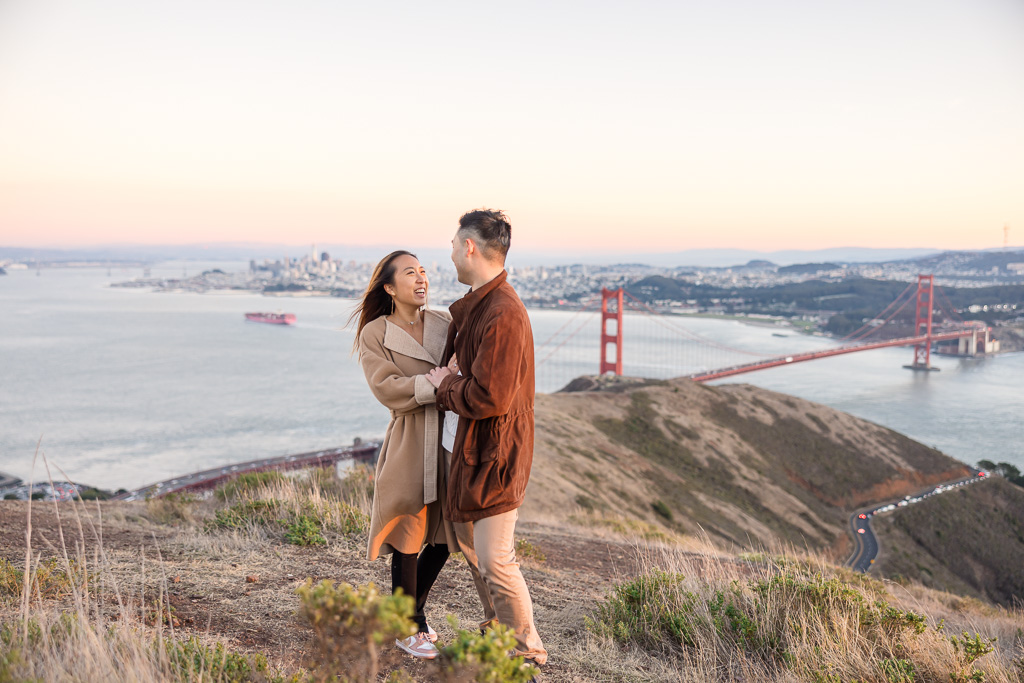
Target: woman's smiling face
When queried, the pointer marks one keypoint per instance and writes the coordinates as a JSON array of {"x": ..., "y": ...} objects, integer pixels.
[{"x": 409, "y": 285}]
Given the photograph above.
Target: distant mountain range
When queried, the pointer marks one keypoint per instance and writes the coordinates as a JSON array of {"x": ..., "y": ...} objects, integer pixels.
[{"x": 236, "y": 251}]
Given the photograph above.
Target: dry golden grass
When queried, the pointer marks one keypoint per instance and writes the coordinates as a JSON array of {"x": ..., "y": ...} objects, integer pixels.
[
  {"x": 142, "y": 578},
  {"x": 811, "y": 626}
]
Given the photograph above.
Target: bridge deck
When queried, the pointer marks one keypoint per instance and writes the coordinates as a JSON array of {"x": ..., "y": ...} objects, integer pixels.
[{"x": 814, "y": 355}]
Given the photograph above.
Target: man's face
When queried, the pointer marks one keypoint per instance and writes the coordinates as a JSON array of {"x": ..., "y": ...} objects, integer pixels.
[{"x": 459, "y": 258}]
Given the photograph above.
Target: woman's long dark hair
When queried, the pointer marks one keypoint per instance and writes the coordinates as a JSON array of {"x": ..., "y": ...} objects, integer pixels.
[{"x": 375, "y": 302}]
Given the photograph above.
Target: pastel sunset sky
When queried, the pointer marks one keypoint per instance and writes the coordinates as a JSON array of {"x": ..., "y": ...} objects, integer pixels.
[{"x": 632, "y": 126}]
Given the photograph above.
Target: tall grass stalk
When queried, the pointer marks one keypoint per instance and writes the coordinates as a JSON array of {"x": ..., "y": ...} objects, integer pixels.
[
  {"x": 75, "y": 638},
  {"x": 786, "y": 618}
]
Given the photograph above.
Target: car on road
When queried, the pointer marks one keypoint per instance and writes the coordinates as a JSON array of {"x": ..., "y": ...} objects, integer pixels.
[{"x": 860, "y": 531}]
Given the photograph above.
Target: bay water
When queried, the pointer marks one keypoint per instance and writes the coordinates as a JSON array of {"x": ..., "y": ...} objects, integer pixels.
[{"x": 122, "y": 387}]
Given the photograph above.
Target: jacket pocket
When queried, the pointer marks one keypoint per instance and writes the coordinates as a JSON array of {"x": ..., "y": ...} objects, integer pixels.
[{"x": 483, "y": 441}]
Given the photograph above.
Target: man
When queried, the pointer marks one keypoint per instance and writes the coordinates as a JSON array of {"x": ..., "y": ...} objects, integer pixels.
[{"x": 487, "y": 390}]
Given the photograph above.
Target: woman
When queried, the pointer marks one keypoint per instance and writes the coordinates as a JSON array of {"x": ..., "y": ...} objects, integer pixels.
[{"x": 399, "y": 341}]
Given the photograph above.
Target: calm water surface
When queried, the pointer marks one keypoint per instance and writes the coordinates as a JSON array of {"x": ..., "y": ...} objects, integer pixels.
[{"x": 125, "y": 387}]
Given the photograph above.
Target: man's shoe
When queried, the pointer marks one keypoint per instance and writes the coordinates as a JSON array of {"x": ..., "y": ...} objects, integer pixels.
[{"x": 418, "y": 645}]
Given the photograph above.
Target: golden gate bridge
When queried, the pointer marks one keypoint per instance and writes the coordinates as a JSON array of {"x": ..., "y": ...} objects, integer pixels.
[{"x": 674, "y": 350}]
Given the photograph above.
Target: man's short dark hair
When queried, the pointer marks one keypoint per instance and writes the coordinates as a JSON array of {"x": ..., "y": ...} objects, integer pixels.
[{"x": 490, "y": 229}]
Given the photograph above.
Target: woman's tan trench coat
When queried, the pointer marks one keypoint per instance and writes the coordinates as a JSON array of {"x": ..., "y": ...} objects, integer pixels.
[{"x": 409, "y": 487}]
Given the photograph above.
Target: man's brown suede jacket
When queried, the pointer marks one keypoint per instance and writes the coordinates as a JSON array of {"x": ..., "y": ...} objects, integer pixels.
[{"x": 493, "y": 340}]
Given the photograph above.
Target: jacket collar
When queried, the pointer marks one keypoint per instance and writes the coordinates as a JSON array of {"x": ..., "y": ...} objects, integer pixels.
[
  {"x": 464, "y": 306},
  {"x": 435, "y": 332}
]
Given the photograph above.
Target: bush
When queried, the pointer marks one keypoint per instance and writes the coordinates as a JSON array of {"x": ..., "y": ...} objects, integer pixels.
[
  {"x": 253, "y": 513},
  {"x": 967, "y": 650},
  {"x": 190, "y": 660},
  {"x": 646, "y": 610},
  {"x": 350, "y": 624},
  {"x": 662, "y": 510},
  {"x": 898, "y": 670},
  {"x": 354, "y": 626},
  {"x": 247, "y": 483},
  {"x": 527, "y": 550},
  {"x": 305, "y": 530},
  {"x": 71, "y": 647},
  {"x": 92, "y": 493},
  {"x": 770, "y": 620},
  {"x": 172, "y": 509},
  {"x": 303, "y": 522},
  {"x": 49, "y": 580},
  {"x": 483, "y": 657}
]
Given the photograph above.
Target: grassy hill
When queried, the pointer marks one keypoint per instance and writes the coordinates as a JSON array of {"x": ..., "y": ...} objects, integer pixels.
[
  {"x": 748, "y": 467},
  {"x": 970, "y": 541},
  {"x": 671, "y": 531}
]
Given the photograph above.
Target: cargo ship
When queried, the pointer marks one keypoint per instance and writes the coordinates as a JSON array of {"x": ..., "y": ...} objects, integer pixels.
[{"x": 272, "y": 318}]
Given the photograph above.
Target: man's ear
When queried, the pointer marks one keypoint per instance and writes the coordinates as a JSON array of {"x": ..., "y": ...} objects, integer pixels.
[{"x": 470, "y": 246}]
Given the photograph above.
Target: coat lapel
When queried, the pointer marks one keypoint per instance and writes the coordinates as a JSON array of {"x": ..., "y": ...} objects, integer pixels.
[
  {"x": 435, "y": 334},
  {"x": 434, "y": 329}
]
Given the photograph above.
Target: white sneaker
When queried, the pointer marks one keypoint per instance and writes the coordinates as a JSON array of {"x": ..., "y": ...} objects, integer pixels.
[{"x": 418, "y": 645}]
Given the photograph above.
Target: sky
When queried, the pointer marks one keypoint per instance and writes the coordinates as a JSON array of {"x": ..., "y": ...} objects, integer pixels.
[{"x": 640, "y": 126}]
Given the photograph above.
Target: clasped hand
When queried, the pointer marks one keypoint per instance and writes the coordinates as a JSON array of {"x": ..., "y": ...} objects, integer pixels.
[{"x": 436, "y": 375}]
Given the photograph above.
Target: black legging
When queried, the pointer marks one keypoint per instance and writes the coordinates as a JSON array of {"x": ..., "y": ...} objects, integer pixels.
[{"x": 416, "y": 575}]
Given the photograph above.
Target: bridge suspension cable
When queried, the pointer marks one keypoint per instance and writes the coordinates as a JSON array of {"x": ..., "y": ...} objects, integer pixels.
[
  {"x": 950, "y": 312},
  {"x": 566, "y": 339},
  {"x": 880, "y": 325},
  {"x": 868, "y": 325},
  {"x": 659, "y": 318}
]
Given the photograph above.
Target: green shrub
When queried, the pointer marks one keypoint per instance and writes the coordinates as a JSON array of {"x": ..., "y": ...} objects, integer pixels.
[
  {"x": 647, "y": 610},
  {"x": 92, "y": 493},
  {"x": 193, "y": 662},
  {"x": 247, "y": 483},
  {"x": 662, "y": 510},
  {"x": 769, "y": 619},
  {"x": 483, "y": 657},
  {"x": 253, "y": 513},
  {"x": 49, "y": 580},
  {"x": 898, "y": 670},
  {"x": 351, "y": 624},
  {"x": 967, "y": 650},
  {"x": 525, "y": 549},
  {"x": 28, "y": 648},
  {"x": 305, "y": 530},
  {"x": 302, "y": 523}
]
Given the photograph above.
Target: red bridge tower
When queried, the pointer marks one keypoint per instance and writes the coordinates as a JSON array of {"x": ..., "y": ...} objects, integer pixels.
[
  {"x": 923, "y": 323},
  {"x": 611, "y": 295}
]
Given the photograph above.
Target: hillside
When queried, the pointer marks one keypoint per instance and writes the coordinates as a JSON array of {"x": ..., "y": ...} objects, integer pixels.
[
  {"x": 970, "y": 542},
  {"x": 187, "y": 590},
  {"x": 746, "y": 466},
  {"x": 672, "y": 531}
]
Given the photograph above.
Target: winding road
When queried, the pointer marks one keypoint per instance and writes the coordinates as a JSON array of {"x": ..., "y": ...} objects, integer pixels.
[{"x": 866, "y": 543}]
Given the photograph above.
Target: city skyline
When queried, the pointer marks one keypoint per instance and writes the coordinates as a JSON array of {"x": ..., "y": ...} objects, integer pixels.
[{"x": 664, "y": 127}]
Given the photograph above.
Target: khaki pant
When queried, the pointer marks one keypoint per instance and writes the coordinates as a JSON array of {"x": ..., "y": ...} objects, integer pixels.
[{"x": 490, "y": 550}]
